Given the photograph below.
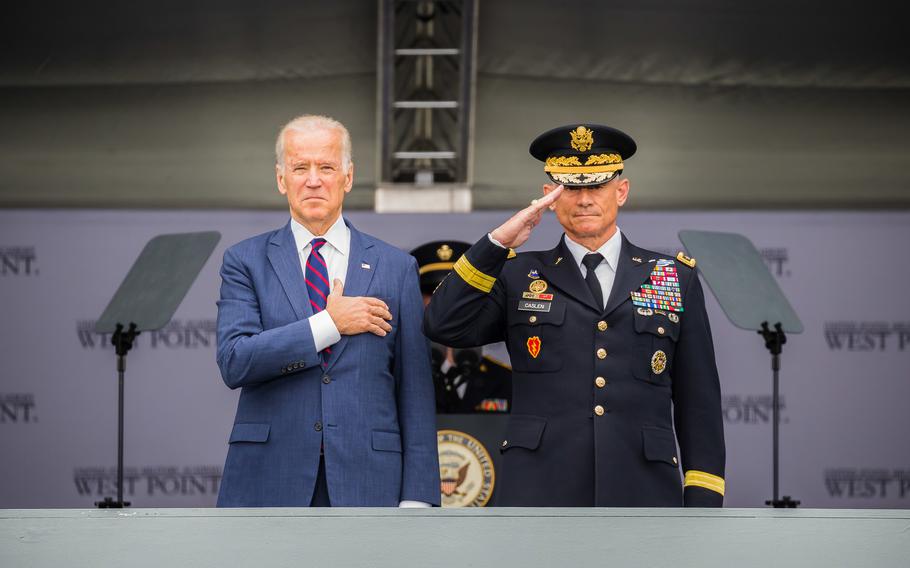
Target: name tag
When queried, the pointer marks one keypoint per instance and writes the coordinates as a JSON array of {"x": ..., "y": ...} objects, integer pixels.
[{"x": 531, "y": 306}]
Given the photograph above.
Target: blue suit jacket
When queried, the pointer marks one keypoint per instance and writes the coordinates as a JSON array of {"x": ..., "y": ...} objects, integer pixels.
[{"x": 372, "y": 409}]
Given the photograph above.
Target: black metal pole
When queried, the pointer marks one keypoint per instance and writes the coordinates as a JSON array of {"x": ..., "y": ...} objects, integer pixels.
[
  {"x": 121, "y": 368},
  {"x": 123, "y": 342},
  {"x": 774, "y": 341},
  {"x": 775, "y": 369}
]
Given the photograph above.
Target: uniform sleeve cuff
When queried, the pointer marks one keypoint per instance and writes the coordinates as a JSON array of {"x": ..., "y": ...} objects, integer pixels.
[
  {"x": 702, "y": 489},
  {"x": 701, "y": 497}
]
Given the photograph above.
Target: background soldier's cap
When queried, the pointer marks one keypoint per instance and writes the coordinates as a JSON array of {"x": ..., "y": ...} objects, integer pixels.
[
  {"x": 435, "y": 260},
  {"x": 582, "y": 155}
]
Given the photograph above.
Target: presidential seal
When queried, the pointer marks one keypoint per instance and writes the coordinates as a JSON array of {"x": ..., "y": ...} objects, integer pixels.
[{"x": 465, "y": 470}]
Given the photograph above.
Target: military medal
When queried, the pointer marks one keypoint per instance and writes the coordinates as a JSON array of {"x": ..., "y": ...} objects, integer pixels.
[
  {"x": 673, "y": 317},
  {"x": 536, "y": 292},
  {"x": 533, "y": 296},
  {"x": 658, "y": 362},
  {"x": 645, "y": 311},
  {"x": 538, "y": 286},
  {"x": 663, "y": 291},
  {"x": 534, "y": 346}
]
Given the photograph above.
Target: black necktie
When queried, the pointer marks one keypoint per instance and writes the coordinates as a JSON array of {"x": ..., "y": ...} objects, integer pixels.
[{"x": 591, "y": 260}]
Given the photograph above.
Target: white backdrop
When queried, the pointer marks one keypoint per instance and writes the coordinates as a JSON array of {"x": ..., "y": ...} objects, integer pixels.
[{"x": 845, "y": 381}]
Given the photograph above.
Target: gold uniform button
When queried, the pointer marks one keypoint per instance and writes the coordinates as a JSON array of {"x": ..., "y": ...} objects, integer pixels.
[
  {"x": 532, "y": 319},
  {"x": 599, "y": 410},
  {"x": 601, "y": 353},
  {"x": 600, "y": 382},
  {"x": 602, "y": 325},
  {"x": 661, "y": 330}
]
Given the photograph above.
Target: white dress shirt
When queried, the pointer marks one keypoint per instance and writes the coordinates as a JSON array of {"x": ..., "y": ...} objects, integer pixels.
[
  {"x": 336, "y": 252},
  {"x": 606, "y": 270}
]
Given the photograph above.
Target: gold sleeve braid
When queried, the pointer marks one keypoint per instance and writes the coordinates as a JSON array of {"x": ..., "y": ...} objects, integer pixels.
[
  {"x": 696, "y": 478},
  {"x": 472, "y": 276}
]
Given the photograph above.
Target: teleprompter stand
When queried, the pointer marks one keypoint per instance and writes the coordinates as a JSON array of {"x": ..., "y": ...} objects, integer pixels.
[
  {"x": 146, "y": 301},
  {"x": 750, "y": 298}
]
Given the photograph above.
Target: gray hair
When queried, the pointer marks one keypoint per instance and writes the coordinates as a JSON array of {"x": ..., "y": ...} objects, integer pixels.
[{"x": 307, "y": 122}]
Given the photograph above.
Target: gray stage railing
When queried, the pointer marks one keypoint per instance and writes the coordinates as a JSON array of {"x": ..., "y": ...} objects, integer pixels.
[{"x": 738, "y": 538}]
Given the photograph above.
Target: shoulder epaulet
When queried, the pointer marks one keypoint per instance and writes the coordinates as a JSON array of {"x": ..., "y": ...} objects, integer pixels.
[{"x": 688, "y": 261}]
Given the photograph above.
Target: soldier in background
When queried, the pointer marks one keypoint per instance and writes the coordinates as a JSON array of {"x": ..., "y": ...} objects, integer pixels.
[{"x": 466, "y": 380}]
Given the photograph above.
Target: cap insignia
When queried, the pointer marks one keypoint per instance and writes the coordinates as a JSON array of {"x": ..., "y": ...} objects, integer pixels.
[
  {"x": 444, "y": 252},
  {"x": 582, "y": 139}
]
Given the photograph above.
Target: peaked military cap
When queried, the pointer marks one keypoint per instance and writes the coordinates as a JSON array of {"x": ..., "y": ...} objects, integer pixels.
[
  {"x": 435, "y": 260},
  {"x": 582, "y": 155}
]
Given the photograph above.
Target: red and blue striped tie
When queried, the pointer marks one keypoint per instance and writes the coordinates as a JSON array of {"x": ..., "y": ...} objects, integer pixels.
[{"x": 317, "y": 283}]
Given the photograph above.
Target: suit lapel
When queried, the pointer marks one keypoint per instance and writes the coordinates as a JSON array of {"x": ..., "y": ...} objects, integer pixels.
[
  {"x": 630, "y": 274},
  {"x": 285, "y": 260},
  {"x": 565, "y": 275},
  {"x": 362, "y": 264}
]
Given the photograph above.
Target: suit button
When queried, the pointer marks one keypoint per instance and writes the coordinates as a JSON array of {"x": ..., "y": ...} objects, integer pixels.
[
  {"x": 601, "y": 353},
  {"x": 599, "y": 410},
  {"x": 600, "y": 382},
  {"x": 661, "y": 330},
  {"x": 532, "y": 319},
  {"x": 317, "y": 426},
  {"x": 602, "y": 325},
  {"x": 326, "y": 379}
]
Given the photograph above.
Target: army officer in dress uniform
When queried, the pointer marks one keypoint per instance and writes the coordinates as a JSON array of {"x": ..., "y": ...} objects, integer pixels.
[
  {"x": 611, "y": 350},
  {"x": 470, "y": 380}
]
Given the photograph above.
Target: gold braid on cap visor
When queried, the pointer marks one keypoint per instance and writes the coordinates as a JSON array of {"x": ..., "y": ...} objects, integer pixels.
[{"x": 594, "y": 164}]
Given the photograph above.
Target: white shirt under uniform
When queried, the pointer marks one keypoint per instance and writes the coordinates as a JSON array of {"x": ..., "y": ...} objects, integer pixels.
[{"x": 605, "y": 271}]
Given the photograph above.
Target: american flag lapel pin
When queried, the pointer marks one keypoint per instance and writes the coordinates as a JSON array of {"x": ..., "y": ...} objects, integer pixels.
[{"x": 364, "y": 266}]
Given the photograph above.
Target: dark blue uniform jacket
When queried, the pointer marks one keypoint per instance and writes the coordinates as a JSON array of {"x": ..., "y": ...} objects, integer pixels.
[{"x": 597, "y": 412}]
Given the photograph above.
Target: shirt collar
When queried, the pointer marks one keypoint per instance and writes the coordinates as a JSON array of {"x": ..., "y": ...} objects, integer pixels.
[
  {"x": 338, "y": 236},
  {"x": 610, "y": 250}
]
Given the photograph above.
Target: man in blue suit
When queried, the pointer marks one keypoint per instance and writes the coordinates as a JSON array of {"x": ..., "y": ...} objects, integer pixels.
[{"x": 337, "y": 403}]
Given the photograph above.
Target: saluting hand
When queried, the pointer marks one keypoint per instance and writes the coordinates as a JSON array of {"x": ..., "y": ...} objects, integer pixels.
[
  {"x": 514, "y": 232},
  {"x": 357, "y": 314}
]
